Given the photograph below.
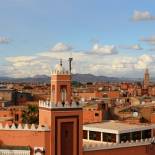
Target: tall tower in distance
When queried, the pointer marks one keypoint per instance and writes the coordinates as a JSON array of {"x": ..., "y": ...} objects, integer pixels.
[
  {"x": 61, "y": 85},
  {"x": 146, "y": 79}
]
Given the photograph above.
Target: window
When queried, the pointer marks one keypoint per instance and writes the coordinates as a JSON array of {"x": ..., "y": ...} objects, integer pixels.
[
  {"x": 96, "y": 114},
  {"x": 125, "y": 137},
  {"x": 103, "y": 106},
  {"x": 85, "y": 134},
  {"x": 109, "y": 137},
  {"x": 94, "y": 135},
  {"x": 146, "y": 134},
  {"x": 136, "y": 135}
]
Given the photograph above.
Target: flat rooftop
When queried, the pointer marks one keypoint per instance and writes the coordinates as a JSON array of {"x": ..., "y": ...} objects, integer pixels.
[{"x": 117, "y": 127}]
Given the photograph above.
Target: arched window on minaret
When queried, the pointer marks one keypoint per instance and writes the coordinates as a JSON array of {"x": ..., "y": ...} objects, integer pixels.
[
  {"x": 63, "y": 93},
  {"x": 52, "y": 92}
]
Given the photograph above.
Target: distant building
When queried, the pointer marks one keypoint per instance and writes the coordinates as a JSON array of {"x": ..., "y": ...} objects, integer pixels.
[
  {"x": 146, "y": 79},
  {"x": 13, "y": 97},
  {"x": 7, "y": 97}
]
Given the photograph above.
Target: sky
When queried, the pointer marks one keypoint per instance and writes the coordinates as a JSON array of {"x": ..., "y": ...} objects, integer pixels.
[{"x": 104, "y": 37}]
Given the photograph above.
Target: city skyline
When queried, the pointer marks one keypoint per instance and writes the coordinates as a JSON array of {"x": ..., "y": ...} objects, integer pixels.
[{"x": 111, "y": 38}]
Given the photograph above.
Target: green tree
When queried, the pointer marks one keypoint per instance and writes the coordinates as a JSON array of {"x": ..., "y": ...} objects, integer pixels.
[{"x": 31, "y": 115}]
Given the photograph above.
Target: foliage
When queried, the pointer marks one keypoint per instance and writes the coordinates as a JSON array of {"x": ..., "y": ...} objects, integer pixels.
[
  {"x": 31, "y": 114},
  {"x": 76, "y": 84}
]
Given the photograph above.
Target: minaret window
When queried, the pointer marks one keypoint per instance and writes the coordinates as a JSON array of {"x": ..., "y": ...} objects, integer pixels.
[
  {"x": 63, "y": 93},
  {"x": 53, "y": 92}
]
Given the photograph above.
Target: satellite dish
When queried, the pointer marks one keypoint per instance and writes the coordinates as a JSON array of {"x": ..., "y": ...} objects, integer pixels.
[{"x": 135, "y": 114}]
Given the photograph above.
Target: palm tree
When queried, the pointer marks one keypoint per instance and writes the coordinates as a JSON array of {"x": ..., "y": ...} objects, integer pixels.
[{"x": 31, "y": 114}]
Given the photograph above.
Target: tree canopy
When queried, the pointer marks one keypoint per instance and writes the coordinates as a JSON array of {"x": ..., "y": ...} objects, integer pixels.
[{"x": 31, "y": 115}]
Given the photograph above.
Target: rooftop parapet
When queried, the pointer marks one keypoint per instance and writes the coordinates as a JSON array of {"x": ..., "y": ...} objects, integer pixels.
[
  {"x": 14, "y": 152},
  {"x": 24, "y": 127},
  {"x": 91, "y": 145},
  {"x": 50, "y": 105},
  {"x": 55, "y": 72},
  {"x": 59, "y": 70}
]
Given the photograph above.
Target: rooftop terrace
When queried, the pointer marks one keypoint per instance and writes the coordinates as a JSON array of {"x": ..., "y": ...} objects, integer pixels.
[{"x": 117, "y": 127}]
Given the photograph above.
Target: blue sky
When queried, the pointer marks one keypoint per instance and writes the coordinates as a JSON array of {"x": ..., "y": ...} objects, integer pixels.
[{"x": 116, "y": 31}]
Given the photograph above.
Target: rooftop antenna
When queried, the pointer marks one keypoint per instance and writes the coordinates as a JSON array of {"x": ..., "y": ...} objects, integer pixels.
[
  {"x": 70, "y": 64},
  {"x": 60, "y": 62}
]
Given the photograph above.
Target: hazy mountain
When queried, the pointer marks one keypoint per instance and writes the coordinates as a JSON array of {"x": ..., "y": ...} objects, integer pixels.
[
  {"x": 92, "y": 78},
  {"x": 75, "y": 77}
]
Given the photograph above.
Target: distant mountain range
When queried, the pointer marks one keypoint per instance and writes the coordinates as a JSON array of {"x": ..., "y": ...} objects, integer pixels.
[{"x": 75, "y": 77}]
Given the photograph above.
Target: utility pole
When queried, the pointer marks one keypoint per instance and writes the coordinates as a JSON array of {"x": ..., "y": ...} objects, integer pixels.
[
  {"x": 70, "y": 64},
  {"x": 60, "y": 62}
]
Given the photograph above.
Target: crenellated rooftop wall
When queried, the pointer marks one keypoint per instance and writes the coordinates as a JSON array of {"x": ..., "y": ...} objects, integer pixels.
[
  {"x": 92, "y": 146},
  {"x": 50, "y": 105},
  {"x": 24, "y": 127},
  {"x": 14, "y": 152},
  {"x": 25, "y": 135},
  {"x": 56, "y": 72}
]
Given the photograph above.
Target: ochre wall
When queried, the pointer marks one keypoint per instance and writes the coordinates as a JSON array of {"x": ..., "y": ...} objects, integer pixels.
[
  {"x": 45, "y": 117},
  {"x": 153, "y": 118},
  {"x": 11, "y": 113},
  {"x": 114, "y": 94},
  {"x": 89, "y": 95},
  {"x": 6, "y": 95},
  {"x": 26, "y": 138},
  {"x": 89, "y": 116},
  {"x": 138, "y": 150}
]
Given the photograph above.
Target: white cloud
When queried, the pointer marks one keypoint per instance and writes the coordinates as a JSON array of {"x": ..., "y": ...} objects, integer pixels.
[
  {"x": 28, "y": 66},
  {"x": 61, "y": 47},
  {"x": 20, "y": 58},
  {"x": 144, "y": 61},
  {"x": 104, "y": 49},
  {"x": 136, "y": 47},
  {"x": 132, "y": 47},
  {"x": 150, "y": 40},
  {"x": 142, "y": 16},
  {"x": 84, "y": 62},
  {"x": 123, "y": 63},
  {"x": 20, "y": 61},
  {"x": 4, "y": 40}
]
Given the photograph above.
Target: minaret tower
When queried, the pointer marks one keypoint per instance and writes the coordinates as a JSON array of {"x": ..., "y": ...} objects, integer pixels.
[
  {"x": 62, "y": 115},
  {"x": 61, "y": 85},
  {"x": 146, "y": 79}
]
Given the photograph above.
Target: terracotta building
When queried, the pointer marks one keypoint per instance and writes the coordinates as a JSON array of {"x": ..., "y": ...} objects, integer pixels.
[
  {"x": 11, "y": 114},
  {"x": 61, "y": 130}
]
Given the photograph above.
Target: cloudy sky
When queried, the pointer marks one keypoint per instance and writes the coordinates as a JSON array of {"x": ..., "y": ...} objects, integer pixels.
[{"x": 105, "y": 37}]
